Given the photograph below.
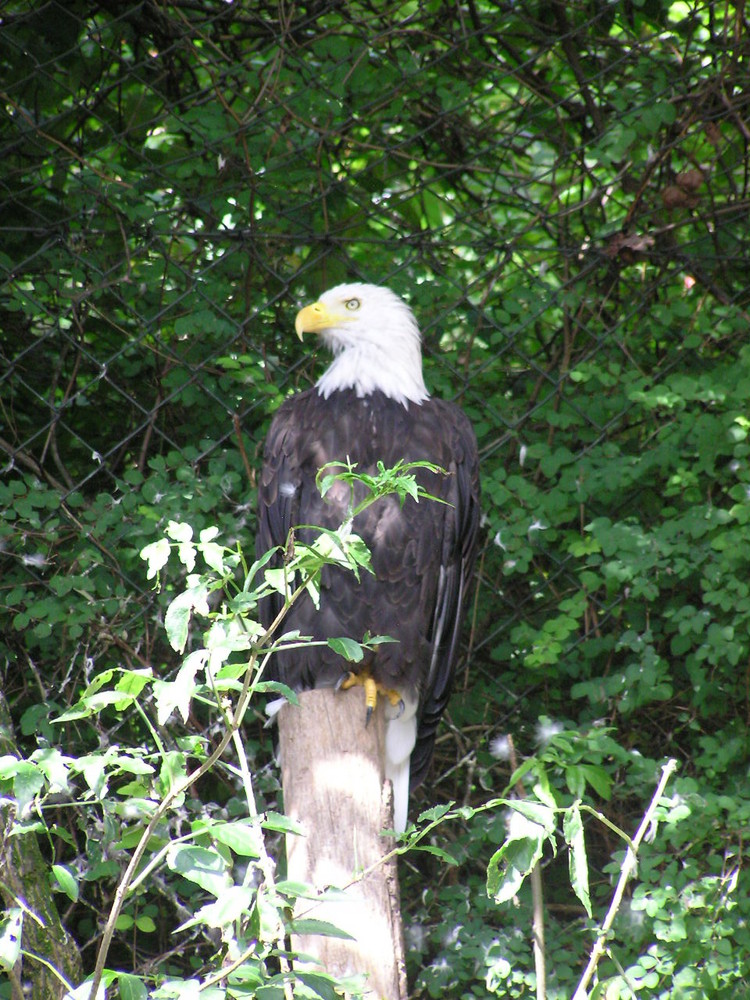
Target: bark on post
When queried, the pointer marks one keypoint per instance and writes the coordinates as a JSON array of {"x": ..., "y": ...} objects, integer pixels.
[{"x": 335, "y": 788}]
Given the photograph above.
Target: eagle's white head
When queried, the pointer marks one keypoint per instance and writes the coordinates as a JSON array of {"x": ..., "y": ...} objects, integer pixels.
[{"x": 374, "y": 338}]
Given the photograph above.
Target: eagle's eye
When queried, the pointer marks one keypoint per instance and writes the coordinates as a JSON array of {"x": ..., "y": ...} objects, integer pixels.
[{"x": 352, "y": 304}]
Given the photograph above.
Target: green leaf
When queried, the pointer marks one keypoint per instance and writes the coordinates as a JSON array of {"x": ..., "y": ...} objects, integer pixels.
[
  {"x": 66, "y": 881},
  {"x": 93, "y": 769},
  {"x": 577, "y": 860},
  {"x": 322, "y": 985},
  {"x": 377, "y": 640},
  {"x": 297, "y": 890},
  {"x": 437, "y": 851},
  {"x": 599, "y": 779},
  {"x": 54, "y": 766},
  {"x": 83, "y": 992},
  {"x": 269, "y": 916},
  {"x": 173, "y": 770},
  {"x": 276, "y": 687},
  {"x": 11, "y": 931},
  {"x": 279, "y": 581},
  {"x": 242, "y": 837},
  {"x": 8, "y": 766},
  {"x": 28, "y": 781},
  {"x": 204, "y": 867},
  {"x": 234, "y": 902},
  {"x": 177, "y": 621},
  {"x": 177, "y": 617},
  {"x": 435, "y": 813},
  {"x": 94, "y": 703},
  {"x": 156, "y": 555},
  {"x": 348, "y": 648},
  {"x": 213, "y": 553},
  {"x": 531, "y": 824},
  {"x": 179, "y": 531},
  {"x": 537, "y": 813},
  {"x": 309, "y": 925},
  {"x": 103, "y": 871},
  {"x": 281, "y": 824},
  {"x": 131, "y": 987},
  {"x": 510, "y": 865},
  {"x": 177, "y": 694},
  {"x": 132, "y": 682}
]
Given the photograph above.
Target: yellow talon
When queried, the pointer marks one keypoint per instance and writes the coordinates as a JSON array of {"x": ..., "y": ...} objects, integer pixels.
[
  {"x": 392, "y": 695},
  {"x": 372, "y": 689},
  {"x": 371, "y": 696}
]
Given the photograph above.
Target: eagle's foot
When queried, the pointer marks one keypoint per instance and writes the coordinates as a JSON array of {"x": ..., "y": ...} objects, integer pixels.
[{"x": 372, "y": 690}]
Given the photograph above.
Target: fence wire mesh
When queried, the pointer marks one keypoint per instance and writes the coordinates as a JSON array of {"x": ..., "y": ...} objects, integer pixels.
[{"x": 560, "y": 190}]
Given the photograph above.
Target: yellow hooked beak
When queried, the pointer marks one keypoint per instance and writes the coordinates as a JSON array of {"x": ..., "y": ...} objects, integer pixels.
[{"x": 317, "y": 317}]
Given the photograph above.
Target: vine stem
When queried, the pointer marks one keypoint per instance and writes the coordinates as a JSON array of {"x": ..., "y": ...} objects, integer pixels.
[
  {"x": 628, "y": 869},
  {"x": 537, "y": 897}
]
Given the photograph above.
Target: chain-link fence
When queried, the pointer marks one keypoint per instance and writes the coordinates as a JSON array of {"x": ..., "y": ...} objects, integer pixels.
[{"x": 560, "y": 191}]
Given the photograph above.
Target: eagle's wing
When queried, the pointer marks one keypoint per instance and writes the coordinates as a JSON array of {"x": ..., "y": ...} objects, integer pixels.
[{"x": 456, "y": 563}]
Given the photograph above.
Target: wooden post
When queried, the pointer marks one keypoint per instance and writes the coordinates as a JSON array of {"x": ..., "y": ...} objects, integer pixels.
[{"x": 335, "y": 788}]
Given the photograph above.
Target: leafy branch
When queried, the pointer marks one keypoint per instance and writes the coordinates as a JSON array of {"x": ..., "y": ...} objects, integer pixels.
[
  {"x": 231, "y": 630},
  {"x": 628, "y": 869}
]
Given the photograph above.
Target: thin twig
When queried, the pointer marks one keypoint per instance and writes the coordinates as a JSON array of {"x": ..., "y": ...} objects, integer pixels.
[
  {"x": 109, "y": 178},
  {"x": 16, "y": 985},
  {"x": 628, "y": 868},
  {"x": 537, "y": 931},
  {"x": 537, "y": 897},
  {"x": 243, "y": 454}
]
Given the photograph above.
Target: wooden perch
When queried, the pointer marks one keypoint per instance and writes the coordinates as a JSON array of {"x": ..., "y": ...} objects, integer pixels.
[{"x": 335, "y": 788}]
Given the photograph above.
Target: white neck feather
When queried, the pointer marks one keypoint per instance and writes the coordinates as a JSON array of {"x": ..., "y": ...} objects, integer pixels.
[{"x": 367, "y": 368}]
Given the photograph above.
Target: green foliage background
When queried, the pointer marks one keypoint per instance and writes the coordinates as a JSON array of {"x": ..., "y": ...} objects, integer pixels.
[{"x": 561, "y": 192}]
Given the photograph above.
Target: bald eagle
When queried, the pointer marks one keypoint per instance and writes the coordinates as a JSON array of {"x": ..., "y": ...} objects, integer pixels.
[{"x": 371, "y": 405}]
